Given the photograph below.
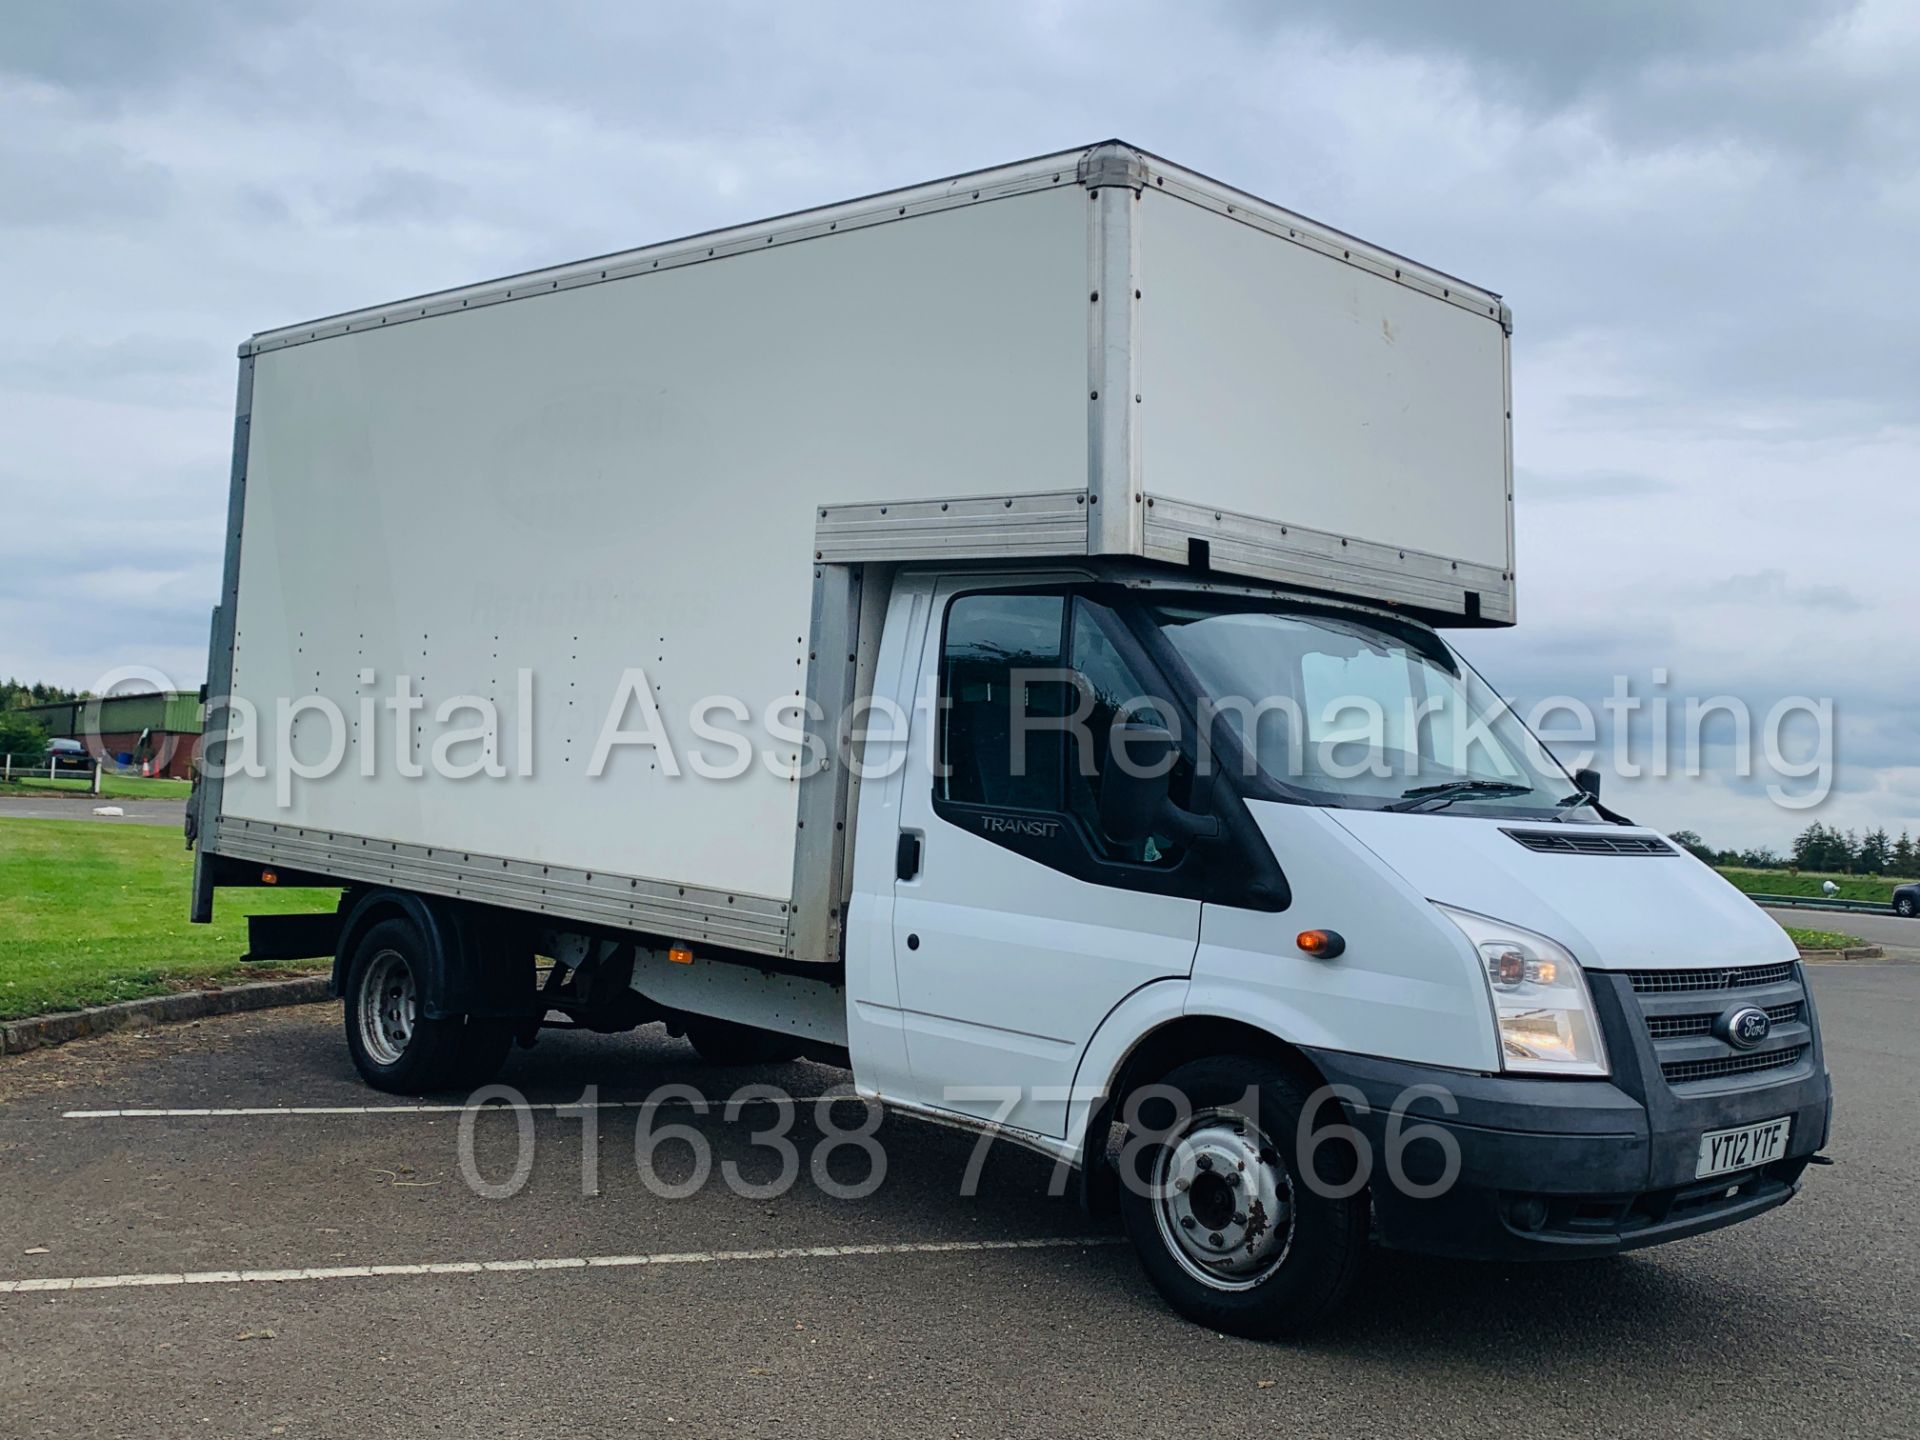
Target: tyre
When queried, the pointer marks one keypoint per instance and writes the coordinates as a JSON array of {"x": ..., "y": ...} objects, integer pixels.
[
  {"x": 721, "y": 1042},
  {"x": 1227, "y": 1227},
  {"x": 1906, "y": 905},
  {"x": 394, "y": 1047}
]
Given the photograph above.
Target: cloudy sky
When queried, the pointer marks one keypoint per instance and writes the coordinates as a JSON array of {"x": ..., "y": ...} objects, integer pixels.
[{"x": 1705, "y": 215}]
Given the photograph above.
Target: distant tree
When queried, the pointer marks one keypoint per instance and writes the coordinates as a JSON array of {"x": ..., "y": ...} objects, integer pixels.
[
  {"x": 1690, "y": 841},
  {"x": 1806, "y": 847},
  {"x": 1875, "y": 855},
  {"x": 1763, "y": 857},
  {"x": 21, "y": 738},
  {"x": 1903, "y": 855},
  {"x": 1821, "y": 847}
]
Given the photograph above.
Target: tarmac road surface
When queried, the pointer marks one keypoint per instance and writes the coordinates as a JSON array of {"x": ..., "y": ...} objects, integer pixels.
[
  {"x": 913, "y": 1311},
  {"x": 80, "y": 807}
]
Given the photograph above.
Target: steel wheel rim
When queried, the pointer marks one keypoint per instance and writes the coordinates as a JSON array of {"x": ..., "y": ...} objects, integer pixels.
[
  {"x": 387, "y": 1007},
  {"x": 1223, "y": 1201}
]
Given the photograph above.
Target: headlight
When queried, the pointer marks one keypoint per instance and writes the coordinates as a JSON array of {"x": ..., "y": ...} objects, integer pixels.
[{"x": 1540, "y": 1002}]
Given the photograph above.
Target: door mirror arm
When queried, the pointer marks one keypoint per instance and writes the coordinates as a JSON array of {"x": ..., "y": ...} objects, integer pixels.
[
  {"x": 1184, "y": 825},
  {"x": 1134, "y": 799}
]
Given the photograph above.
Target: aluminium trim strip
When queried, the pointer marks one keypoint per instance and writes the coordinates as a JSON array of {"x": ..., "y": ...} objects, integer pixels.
[
  {"x": 1024, "y": 177},
  {"x": 756, "y": 923},
  {"x": 1113, "y": 421},
  {"x": 1107, "y": 163},
  {"x": 1047, "y": 522},
  {"x": 1506, "y": 400},
  {"x": 1167, "y": 178},
  {"x": 876, "y": 598},
  {"x": 1295, "y": 555},
  {"x": 206, "y": 797},
  {"x": 833, "y": 628}
]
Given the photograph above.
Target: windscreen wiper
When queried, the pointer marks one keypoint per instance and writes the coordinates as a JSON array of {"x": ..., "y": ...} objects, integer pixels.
[{"x": 1433, "y": 797}]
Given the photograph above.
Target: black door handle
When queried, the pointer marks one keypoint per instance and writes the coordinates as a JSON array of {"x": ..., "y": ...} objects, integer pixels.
[{"x": 906, "y": 858}]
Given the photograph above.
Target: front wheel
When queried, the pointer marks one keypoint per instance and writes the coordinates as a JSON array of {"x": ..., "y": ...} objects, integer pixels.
[
  {"x": 1227, "y": 1226},
  {"x": 1906, "y": 905}
]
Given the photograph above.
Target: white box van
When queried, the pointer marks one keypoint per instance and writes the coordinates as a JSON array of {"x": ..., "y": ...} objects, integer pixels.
[{"x": 988, "y": 635}]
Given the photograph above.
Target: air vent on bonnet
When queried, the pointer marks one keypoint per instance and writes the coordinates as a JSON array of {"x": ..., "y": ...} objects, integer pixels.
[{"x": 1580, "y": 842}]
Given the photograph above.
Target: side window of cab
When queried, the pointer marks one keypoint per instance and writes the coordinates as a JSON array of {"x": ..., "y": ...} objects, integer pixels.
[
  {"x": 1031, "y": 686},
  {"x": 1000, "y": 665}
]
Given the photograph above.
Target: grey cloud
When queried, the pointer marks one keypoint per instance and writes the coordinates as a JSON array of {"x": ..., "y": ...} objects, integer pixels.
[
  {"x": 150, "y": 368},
  {"x": 47, "y": 181},
  {"x": 1553, "y": 55},
  {"x": 115, "y": 48},
  {"x": 1773, "y": 586},
  {"x": 1874, "y": 741},
  {"x": 395, "y": 195},
  {"x": 1534, "y": 485},
  {"x": 1720, "y": 185},
  {"x": 1694, "y": 207}
]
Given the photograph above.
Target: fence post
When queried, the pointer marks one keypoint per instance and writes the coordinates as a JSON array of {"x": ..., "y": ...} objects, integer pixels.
[
  {"x": 9, "y": 765},
  {"x": 96, "y": 777}
]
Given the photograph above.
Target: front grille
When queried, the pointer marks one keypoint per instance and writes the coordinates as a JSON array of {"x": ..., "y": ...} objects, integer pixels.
[
  {"x": 1680, "y": 1071},
  {"x": 1582, "y": 842},
  {"x": 1675, "y": 1027},
  {"x": 1682, "y": 1011},
  {"x": 1668, "y": 982}
]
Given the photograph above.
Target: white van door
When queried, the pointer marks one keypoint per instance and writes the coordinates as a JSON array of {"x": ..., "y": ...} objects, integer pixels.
[{"x": 1017, "y": 925}]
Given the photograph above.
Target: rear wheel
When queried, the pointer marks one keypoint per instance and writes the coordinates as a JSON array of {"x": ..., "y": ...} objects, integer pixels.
[
  {"x": 1226, "y": 1225},
  {"x": 484, "y": 1047},
  {"x": 396, "y": 1048},
  {"x": 722, "y": 1042}
]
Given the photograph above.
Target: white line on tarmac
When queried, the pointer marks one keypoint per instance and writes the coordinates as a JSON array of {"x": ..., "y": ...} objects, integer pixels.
[
  {"x": 67, "y": 1283},
  {"x": 566, "y": 1105}
]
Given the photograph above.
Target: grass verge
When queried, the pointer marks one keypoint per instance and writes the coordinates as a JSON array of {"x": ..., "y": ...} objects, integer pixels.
[
  {"x": 93, "y": 913},
  {"x": 1875, "y": 889},
  {"x": 112, "y": 787},
  {"x": 1822, "y": 939}
]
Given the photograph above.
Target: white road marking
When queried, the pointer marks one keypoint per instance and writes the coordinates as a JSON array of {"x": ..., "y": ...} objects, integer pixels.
[
  {"x": 568, "y": 1105},
  {"x": 40, "y": 1285}
]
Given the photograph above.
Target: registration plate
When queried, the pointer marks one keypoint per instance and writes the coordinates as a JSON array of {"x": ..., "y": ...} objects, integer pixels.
[{"x": 1724, "y": 1151}]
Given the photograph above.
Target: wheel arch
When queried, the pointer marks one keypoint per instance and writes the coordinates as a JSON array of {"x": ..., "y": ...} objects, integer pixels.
[
  {"x": 478, "y": 961},
  {"x": 1164, "y": 1035}
]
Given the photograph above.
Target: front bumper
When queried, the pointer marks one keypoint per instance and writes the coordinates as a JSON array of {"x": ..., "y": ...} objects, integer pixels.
[{"x": 1562, "y": 1169}]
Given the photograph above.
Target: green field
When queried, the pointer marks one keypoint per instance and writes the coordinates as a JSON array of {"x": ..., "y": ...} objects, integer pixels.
[
  {"x": 112, "y": 787},
  {"x": 1874, "y": 888},
  {"x": 91, "y": 913},
  {"x": 1822, "y": 939}
]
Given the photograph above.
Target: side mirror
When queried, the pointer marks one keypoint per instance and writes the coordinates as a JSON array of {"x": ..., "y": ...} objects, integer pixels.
[
  {"x": 1133, "y": 790},
  {"x": 1134, "y": 799},
  {"x": 1588, "y": 782}
]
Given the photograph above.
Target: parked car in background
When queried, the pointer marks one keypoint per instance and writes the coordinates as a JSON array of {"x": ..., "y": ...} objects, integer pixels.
[
  {"x": 1906, "y": 900},
  {"x": 65, "y": 754}
]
